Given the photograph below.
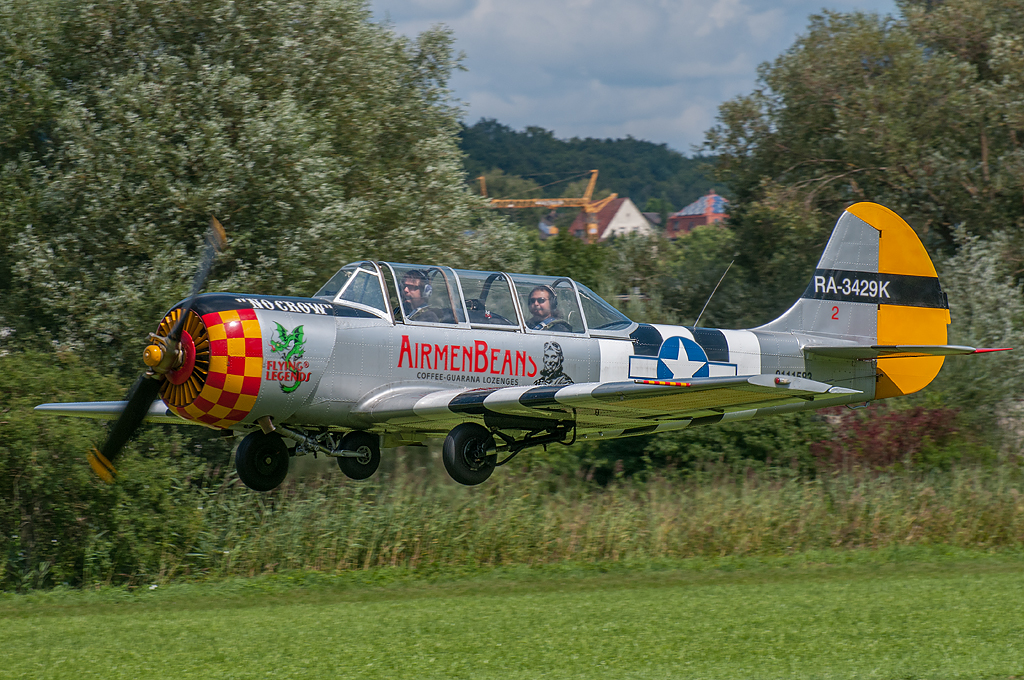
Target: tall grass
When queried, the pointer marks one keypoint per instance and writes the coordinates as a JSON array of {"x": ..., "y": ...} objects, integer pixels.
[{"x": 325, "y": 524}]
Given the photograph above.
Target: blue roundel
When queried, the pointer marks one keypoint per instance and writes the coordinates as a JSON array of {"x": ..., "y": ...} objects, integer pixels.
[{"x": 679, "y": 348}]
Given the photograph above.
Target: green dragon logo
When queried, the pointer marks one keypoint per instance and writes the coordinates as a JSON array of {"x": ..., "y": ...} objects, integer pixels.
[{"x": 291, "y": 348}]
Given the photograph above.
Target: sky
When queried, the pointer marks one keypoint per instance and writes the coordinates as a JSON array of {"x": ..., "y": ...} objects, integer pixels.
[{"x": 653, "y": 69}]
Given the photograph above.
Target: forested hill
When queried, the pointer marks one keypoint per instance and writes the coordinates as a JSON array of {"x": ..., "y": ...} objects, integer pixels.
[{"x": 629, "y": 167}]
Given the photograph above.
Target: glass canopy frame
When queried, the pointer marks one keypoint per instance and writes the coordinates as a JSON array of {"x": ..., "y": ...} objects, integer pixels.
[{"x": 381, "y": 289}]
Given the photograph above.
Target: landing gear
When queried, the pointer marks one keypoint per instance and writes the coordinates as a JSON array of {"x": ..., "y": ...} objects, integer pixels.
[
  {"x": 358, "y": 453},
  {"x": 468, "y": 454},
  {"x": 262, "y": 461},
  {"x": 366, "y": 463}
]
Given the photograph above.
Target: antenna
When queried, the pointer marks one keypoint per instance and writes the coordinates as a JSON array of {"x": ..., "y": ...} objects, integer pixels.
[{"x": 713, "y": 293}]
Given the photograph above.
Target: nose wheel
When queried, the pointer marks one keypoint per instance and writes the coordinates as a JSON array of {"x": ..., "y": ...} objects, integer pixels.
[{"x": 262, "y": 461}]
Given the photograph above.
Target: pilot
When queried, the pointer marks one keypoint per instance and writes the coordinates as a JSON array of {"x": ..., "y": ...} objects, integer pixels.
[
  {"x": 416, "y": 297},
  {"x": 544, "y": 311}
]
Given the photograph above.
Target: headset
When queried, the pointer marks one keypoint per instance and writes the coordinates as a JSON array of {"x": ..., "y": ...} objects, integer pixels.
[{"x": 420, "y": 275}]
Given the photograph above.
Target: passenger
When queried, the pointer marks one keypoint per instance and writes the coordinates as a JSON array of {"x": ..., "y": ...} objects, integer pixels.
[
  {"x": 416, "y": 296},
  {"x": 544, "y": 311}
]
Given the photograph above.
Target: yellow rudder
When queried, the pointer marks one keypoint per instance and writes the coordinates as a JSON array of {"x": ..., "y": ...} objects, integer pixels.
[{"x": 922, "y": 319}]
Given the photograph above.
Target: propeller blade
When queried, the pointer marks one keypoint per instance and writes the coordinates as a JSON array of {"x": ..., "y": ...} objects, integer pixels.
[
  {"x": 145, "y": 390},
  {"x": 216, "y": 241},
  {"x": 140, "y": 398}
]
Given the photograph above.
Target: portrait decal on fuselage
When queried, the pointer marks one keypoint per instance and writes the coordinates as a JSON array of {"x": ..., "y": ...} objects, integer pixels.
[{"x": 552, "y": 373}]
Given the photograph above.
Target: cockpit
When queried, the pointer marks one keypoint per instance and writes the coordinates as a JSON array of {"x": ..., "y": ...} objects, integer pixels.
[{"x": 441, "y": 296}]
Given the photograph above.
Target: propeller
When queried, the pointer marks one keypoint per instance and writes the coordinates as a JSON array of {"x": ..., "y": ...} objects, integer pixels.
[{"x": 164, "y": 354}]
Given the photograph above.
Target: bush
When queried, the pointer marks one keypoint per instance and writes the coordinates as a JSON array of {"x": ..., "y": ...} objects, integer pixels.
[
  {"x": 916, "y": 437},
  {"x": 58, "y": 522},
  {"x": 705, "y": 452}
]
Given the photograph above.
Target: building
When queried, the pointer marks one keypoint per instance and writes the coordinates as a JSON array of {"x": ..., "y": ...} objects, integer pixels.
[
  {"x": 654, "y": 218},
  {"x": 708, "y": 209},
  {"x": 547, "y": 227},
  {"x": 618, "y": 218}
]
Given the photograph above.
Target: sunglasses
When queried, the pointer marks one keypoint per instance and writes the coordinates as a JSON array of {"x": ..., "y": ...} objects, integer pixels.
[
  {"x": 412, "y": 286},
  {"x": 538, "y": 301}
]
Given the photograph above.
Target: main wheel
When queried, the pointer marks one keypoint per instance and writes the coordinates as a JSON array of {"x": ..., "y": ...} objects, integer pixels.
[
  {"x": 368, "y": 447},
  {"x": 262, "y": 461},
  {"x": 466, "y": 454}
]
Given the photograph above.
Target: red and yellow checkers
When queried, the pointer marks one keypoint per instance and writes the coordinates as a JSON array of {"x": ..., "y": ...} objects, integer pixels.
[{"x": 236, "y": 364}]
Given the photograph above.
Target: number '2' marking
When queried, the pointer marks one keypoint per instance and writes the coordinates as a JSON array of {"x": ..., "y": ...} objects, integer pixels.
[{"x": 835, "y": 313}]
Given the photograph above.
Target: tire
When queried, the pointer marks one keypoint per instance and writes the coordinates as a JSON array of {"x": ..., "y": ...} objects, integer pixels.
[
  {"x": 465, "y": 454},
  {"x": 262, "y": 461},
  {"x": 368, "y": 445}
]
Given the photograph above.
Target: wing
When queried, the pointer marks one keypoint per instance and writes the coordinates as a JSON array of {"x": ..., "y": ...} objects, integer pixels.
[
  {"x": 896, "y": 351},
  {"x": 644, "y": 404},
  {"x": 110, "y": 410}
]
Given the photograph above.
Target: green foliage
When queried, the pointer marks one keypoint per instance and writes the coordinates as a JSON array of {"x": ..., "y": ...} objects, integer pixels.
[
  {"x": 922, "y": 114},
  {"x": 629, "y": 167},
  {"x": 778, "y": 242},
  {"x": 502, "y": 185},
  {"x": 316, "y": 136},
  {"x": 156, "y": 530},
  {"x": 566, "y": 255},
  {"x": 894, "y": 436},
  {"x": 58, "y": 522},
  {"x": 48, "y": 494},
  {"x": 987, "y": 311},
  {"x": 691, "y": 267},
  {"x": 913, "y": 114},
  {"x": 782, "y": 444}
]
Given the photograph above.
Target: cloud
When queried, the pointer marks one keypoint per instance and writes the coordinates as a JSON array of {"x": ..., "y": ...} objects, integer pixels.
[{"x": 656, "y": 69}]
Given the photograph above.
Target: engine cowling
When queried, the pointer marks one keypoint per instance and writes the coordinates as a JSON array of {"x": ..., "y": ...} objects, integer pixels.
[
  {"x": 243, "y": 354},
  {"x": 218, "y": 381}
]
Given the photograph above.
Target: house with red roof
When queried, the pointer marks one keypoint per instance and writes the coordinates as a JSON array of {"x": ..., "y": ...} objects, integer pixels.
[
  {"x": 618, "y": 218},
  {"x": 708, "y": 209}
]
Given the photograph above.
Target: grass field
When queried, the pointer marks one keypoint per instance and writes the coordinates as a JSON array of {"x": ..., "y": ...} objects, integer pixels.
[{"x": 907, "y": 614}]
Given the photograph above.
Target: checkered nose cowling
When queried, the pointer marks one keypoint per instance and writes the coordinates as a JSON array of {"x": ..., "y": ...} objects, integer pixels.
[{"x": 220, "y": 378}]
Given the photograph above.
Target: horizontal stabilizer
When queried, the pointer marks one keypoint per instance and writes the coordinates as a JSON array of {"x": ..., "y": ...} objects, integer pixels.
[
  {"x": 110, "y": 410},
  {"x": 895, "y": 351}
]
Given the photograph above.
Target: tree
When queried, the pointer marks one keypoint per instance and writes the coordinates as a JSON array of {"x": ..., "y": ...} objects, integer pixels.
[
  {"x": 988, "y": 311},
  {"x": 921, "y": 114},
  {"x": 629, "y": 167},
  {"x": 316, "y": 136}
]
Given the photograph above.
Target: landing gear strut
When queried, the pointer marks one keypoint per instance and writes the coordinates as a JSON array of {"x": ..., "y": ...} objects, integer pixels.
[
  {"x": 550, "y": 434},
  {"x": 469, "y": 452},
  {"x": 358, "y": 453}
]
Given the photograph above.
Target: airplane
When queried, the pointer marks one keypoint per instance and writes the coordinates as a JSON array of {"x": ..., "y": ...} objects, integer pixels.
[{"x": 388, "y": 354}]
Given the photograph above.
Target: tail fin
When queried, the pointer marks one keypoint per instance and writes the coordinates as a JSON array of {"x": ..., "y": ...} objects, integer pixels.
[{"x": 875, "y": 285}]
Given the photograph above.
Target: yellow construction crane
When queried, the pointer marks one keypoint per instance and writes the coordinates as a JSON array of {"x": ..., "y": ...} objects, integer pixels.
[{"x": 591, "y": 208}]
